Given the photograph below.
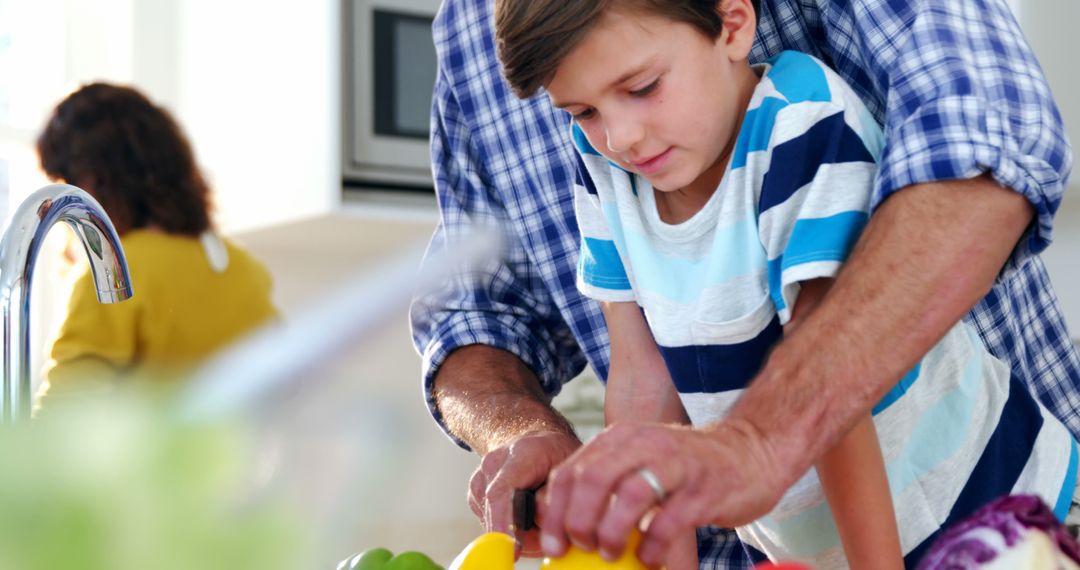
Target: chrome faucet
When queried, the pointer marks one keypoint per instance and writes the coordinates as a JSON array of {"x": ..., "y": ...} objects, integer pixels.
[{"x": 18, "y": 254}]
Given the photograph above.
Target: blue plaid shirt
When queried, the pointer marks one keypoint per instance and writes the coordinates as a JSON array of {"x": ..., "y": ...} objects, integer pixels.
[{"x": 955, "y": 84}]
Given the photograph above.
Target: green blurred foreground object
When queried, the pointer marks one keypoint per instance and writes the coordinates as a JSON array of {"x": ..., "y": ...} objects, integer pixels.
[
  {"x": 383, "y": 559},
  {"x": 374, "y": 559},
  {"x": 117, "y": 485}
]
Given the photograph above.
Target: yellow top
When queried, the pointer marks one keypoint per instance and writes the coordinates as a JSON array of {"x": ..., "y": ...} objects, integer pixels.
[{"x": 184, "y": 309}]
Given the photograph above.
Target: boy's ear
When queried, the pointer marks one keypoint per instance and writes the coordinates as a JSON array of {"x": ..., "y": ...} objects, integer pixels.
[{"x": 740, "y": 25}]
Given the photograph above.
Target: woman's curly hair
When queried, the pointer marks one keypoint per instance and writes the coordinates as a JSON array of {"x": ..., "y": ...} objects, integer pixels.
[{"x": 130, "y": 155}]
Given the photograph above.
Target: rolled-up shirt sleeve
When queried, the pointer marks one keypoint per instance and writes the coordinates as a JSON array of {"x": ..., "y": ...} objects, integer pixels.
[
  {"x": 503, "y": 303},
  {"x": 964, "y": 96}
]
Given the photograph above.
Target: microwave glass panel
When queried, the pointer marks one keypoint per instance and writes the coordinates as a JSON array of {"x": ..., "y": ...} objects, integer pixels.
[{"x": 405, "y": 68}]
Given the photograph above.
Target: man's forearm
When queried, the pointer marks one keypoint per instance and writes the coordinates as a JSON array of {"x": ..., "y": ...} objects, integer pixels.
[
  {"x": 927, "y": 256},
  {"x": 488, "y": 397}
]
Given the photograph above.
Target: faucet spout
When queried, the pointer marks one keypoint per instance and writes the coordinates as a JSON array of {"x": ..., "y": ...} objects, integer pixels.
[{"x": 19, "y": 250}]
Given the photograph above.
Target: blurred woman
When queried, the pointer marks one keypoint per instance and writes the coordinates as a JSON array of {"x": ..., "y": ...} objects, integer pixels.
[{"x": 195, "y": 291}]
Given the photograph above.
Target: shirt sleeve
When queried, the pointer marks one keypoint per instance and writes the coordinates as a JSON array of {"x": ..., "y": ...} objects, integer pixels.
[
  {"x": 814, "y": 199},
  {"x": 601, "y": 273},
  {"x": 964, "y": 96},
  {"x": 504, "y": 303}
]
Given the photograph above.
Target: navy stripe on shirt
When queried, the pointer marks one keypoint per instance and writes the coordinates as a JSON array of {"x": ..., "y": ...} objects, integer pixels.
[
  {"x": 829, "y": 141},
  {"x": 583, "y": 178},
  {"x": 712, "y": 369}
]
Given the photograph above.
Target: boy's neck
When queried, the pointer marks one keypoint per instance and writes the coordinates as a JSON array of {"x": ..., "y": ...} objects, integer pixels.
[{"x": 678, "y": 206}]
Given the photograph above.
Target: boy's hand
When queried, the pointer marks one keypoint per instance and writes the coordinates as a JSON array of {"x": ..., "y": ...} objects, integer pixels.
[{"x": 521, "y": 465}]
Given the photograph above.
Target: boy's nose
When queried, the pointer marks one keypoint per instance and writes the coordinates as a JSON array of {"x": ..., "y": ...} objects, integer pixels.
[{"x": 623, "y": 135}]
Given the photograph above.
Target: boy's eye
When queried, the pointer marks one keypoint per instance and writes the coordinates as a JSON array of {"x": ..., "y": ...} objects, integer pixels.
[
  {"x": 584, "y": 115},
  {"x": 646, "y": 90}
]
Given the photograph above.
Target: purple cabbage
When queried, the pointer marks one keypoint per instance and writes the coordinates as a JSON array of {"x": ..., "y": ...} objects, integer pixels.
[{"x": 963, "y": 546}]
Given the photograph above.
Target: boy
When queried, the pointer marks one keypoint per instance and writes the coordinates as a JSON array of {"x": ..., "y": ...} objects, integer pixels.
[{"x": 721, "y": 199}]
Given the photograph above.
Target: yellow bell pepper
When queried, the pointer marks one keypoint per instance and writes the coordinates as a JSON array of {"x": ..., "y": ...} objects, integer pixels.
[
  {"x": 491, "y": 551},
  {"x": 495, "y": 551},
  {"x": 576, "y": 559}
]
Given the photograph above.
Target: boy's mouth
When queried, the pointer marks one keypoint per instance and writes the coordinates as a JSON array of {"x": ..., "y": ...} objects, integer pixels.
[{"x": 653, "y": 163}]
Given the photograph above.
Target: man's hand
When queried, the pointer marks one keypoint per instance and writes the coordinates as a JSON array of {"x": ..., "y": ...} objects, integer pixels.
[
  {"x": 720, "y": 475},
  {"x": 521, "y": 465},
  {"x": 492, "y": 401}
]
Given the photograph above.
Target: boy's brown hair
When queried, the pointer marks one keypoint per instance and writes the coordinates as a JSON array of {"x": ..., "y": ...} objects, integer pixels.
[
  {"x": 533, "y": 37},
  {"x": 131, "y": 156}
]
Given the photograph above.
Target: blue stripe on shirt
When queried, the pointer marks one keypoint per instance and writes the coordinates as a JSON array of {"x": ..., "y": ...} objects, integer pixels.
[
  {"x": 799, "y": 78},
  {"x": 756, "y": 130},
  {"x": 581, "y": 142},
  {"x": 776, "y": 271},
  {"x": 898, "y": 390},
  {"x": 683, "y": 280},
  {"x": 796, "y": 162},
  {"x": 1064, "y": 499},
  {"x": 601, "y": 266},
  {"x": 824, "y": 239},
  {"x": 813, "y": 240}
]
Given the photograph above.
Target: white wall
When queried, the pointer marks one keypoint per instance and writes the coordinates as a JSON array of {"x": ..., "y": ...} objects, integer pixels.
[
  {"x": 258, "y": 85},
  {"x": 1063, "y": 259},
  {"x": 1050, "y": 28},
  {"x": 254, "y": 83}
]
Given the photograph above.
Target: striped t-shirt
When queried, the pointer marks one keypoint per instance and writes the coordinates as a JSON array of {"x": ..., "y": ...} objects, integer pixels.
[{"x": 957, "y": 431}]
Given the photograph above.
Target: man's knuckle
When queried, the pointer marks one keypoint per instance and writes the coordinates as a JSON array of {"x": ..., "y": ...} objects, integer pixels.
[
  {"x": 494, "y": 454},
  {"x": 675, "y": 517},
  {"x": 495, "y": 487},
  {"x": 661, "y": 530},
  {"x": 519, "y": 446},
  {"x": 560, "y": 476},
  {"x": 680, "y": 518},
  {"x": 612, "y": 535},
  {"x": 579, "y": 527},
  {"x": 533, "y": 439},
  {"x": 594, "y": 477}
]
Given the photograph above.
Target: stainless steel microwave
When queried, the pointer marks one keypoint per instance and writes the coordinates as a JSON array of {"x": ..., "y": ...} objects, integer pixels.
[{"x": 389, "y": 74}]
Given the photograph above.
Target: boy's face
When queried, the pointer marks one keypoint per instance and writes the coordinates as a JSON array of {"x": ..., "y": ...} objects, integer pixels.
[{"x": 658, "y": 97}]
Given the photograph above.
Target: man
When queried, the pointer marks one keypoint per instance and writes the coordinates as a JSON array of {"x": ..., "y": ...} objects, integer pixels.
[{"x": 974, "y": 167}]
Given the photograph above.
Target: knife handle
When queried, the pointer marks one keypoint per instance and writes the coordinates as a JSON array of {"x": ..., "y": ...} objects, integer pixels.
[{"x": 524, "y": 509}]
